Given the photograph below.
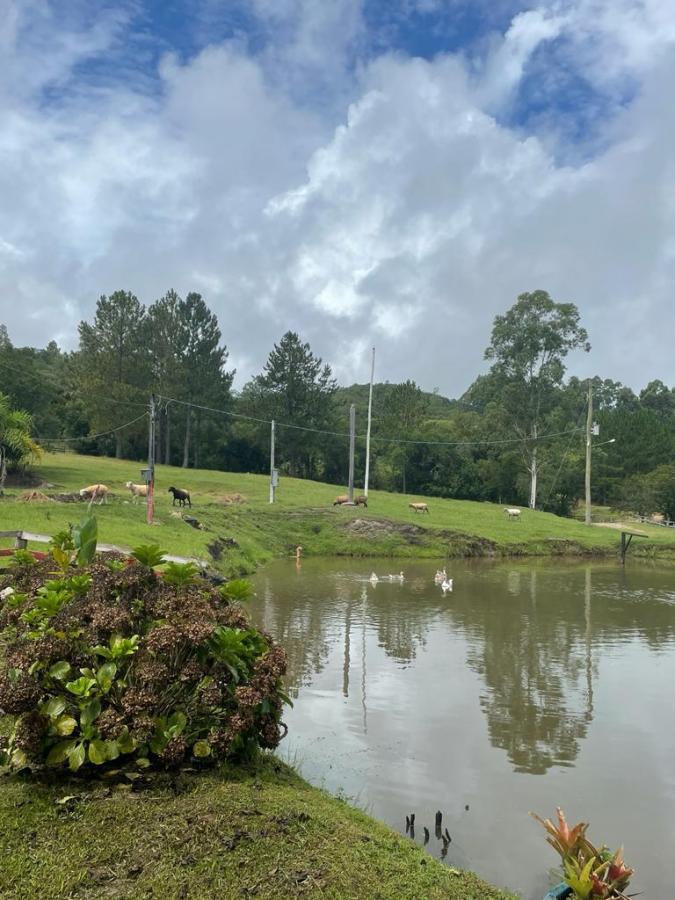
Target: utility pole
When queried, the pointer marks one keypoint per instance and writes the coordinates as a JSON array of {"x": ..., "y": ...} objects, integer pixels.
[
  {"x": 151, "y": 462},
  {"x": 589, "y": 431},
  {"x": 370, "y": 412},
  {"x": 272, "y": 472},
  {"x": 352, "y": 441}
]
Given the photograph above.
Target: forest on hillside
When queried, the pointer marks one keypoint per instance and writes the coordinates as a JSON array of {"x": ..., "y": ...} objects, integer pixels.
[{"x": 517, "y": 435}]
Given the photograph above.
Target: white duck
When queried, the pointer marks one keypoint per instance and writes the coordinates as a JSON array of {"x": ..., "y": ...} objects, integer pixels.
[
  {"x": 398, "y": 577},
  {"x": 446, "y": 584},
  {"x": 440, "y": 576},
  {"x": 373, "y": 578}
]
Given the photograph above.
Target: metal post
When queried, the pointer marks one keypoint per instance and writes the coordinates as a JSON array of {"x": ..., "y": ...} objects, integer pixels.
[
  {"x": 589, "y": 431},
  {"x": 150, "y": 503},
  {"x": 352, "y": 441},
  {"x": 370, "y": 412},
  {"x": 272, "y": 463}
]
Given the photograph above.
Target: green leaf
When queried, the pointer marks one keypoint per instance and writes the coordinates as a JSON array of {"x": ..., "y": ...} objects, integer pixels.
[
  {"x": 59, "y": 752},
  {"x": 60, "y": 670},
  {"x": 143, "y": 762},
  {"x": 97, "y": 753},
  {"x": 81, "y": 687},
  {"x": 54, "y": 707},
  {"x": 176, "y": 724},
  {"x": 76, "y": 757},
  {"x": 106, "y": 675},
  {"x": 90, "y": 712},
  {"x": 201, "y": 749},
  {"x": 112, "y": 750},
  {"x": 84, "y": 538},
  {"x": 65, "y": 725},
  {"x": 125, "y": 742}
]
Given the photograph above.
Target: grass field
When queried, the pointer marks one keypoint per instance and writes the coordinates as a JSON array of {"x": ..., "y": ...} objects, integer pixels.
[
  {"x": 236, "y": 833},
  {"x": 303, "y": 514}
]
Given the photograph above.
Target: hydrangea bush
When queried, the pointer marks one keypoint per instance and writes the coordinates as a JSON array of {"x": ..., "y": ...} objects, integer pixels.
[{"x": 108, "y": 662}]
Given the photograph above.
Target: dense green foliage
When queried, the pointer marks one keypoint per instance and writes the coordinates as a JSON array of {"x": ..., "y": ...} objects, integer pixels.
[
  {"x": 481, "y": 446},
  {"x": 110, "y": 664}
]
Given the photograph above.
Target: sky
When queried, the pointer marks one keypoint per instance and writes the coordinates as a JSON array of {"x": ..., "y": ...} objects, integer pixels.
[{"x": 387, "y": 173}]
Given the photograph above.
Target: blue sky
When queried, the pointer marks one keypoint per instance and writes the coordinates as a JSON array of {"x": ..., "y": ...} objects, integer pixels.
[{"x": 364, "y": 172}]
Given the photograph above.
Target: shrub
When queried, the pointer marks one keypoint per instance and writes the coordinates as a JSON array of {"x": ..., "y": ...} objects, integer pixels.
[{"x": 111, "y": 662}]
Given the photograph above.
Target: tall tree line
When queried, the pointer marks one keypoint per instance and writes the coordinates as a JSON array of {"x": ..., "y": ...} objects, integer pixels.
[{"x": 516, "y": 435}]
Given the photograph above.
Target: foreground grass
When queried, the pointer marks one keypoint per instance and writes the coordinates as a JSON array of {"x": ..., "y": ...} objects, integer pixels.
[
  {"x": 263, "y": 833},
  {"x": 303, "y": 514}
]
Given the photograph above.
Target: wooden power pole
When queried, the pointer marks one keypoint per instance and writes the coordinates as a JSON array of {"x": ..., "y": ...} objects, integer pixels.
[
  {"x": 370, "y": 415},
  {"x": 352, "y": 442},
  {"x": 272, "y": 473},
  {"x": 589, "y": 432},
  {"x": 150, "y": 501}
]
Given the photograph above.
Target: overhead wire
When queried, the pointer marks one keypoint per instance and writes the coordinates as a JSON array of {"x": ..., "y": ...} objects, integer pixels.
[{"x": 344, "y": 434}]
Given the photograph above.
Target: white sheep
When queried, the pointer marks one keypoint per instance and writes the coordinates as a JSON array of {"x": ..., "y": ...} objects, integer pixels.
[
  {"x": 137, "y": 490},
  {"x": 95, "y": 492},
  {"x": 512, "y": 512}
]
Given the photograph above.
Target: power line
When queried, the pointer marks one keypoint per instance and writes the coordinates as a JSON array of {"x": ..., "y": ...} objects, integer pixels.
[
  {"x": 91, "y": 437},
  {"x": 227, "y": 412}
]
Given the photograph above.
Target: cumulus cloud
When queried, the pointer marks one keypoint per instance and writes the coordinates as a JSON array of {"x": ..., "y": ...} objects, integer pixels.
[{"x": 394, "y": 206}]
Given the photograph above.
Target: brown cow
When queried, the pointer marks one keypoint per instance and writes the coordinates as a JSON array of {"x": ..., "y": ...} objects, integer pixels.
[{"x": 419, "y": 507}]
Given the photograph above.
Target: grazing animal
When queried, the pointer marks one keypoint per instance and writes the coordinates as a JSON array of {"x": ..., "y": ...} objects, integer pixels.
[
  {"x": 137, "y": 490},
  {"x": 361, "y": 500},
  {"x": 419, "y": 507},
  {"x": 446, "y": 585},
  {"x": 512, "y": 512},
  {"x": 343, "y": 498},
  {"x": 95, "y": 492},
  {"x": 183, "y": 497}
]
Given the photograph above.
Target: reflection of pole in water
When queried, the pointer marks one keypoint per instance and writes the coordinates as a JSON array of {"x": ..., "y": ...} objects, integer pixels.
[
  {"x": 533, "y": 587},
  {"x": 589, "y": 635},
  {"x": 364, "y": 598},
  {"x": 345, "y": 665}
]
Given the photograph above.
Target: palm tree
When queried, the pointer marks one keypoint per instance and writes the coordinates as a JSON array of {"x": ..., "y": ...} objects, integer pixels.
[{"x": 17, "y": 447}]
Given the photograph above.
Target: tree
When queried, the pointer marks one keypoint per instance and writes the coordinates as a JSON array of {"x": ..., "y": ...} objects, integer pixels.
[
  {"x": 113, "y": 361},
  {"x": 17, "y": 446},
  {"x": 528, "y": 346},
  {"x": 294, "y": 388},
  {"x": 404, "y": 411},
  {"x": 201, "y": 365}
]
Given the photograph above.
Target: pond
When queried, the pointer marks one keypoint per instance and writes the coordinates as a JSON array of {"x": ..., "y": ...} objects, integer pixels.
[{"x": 530, "y": 685}]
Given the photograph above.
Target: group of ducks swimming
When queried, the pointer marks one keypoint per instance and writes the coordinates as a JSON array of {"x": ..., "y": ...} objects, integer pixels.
[
  {"x": 375, "y": 578},
  {"x": 440, "y": 577}
]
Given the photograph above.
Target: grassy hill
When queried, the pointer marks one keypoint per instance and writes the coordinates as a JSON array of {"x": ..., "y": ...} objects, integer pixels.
[{"x": 242, "y": 529}]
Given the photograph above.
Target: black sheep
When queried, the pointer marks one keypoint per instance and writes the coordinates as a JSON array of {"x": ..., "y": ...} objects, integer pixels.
[{"x": 181, "y": 496}]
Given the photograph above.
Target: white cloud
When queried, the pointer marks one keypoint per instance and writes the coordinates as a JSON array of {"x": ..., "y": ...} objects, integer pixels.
[{"x": 406, "y": 218}]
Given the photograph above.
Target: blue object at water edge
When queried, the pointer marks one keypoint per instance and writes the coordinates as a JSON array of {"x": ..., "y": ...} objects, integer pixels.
[{"x": 559, "y": 892}]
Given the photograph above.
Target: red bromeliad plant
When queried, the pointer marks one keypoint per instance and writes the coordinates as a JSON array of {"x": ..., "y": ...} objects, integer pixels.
[{"x": 589, "y": 871}]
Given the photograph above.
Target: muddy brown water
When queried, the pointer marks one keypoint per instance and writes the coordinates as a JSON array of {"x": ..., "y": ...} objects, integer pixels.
[{"x": 531, "y": 685}]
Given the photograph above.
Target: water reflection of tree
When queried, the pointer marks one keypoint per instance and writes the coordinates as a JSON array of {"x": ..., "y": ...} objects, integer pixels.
[{"x": 536, "y": 663}]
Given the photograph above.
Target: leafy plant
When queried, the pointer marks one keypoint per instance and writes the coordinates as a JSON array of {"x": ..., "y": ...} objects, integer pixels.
[
  {"x": 21, "y": 558},
  {"x": 236, "y": 591},
  {"x": 149, "y": 555},
  {"x": 84, "y": 540},
  {"x": 181, "y": 574},
  {"x": 109, "y": 664},
  {"x": 589, "y": 871}
]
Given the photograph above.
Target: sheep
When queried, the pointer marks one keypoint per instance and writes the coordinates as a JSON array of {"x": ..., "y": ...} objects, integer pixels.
[
  {"x": 181, "y": 496},
  {"x": 95, "y": 491},
  {"x": 137, "y": 490},
  {"x": 343, "y": 498},
  {"x": 419, "y": 507},
  {"x": 361, "y": 500},
  {"x": 512, "y": 512}
]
